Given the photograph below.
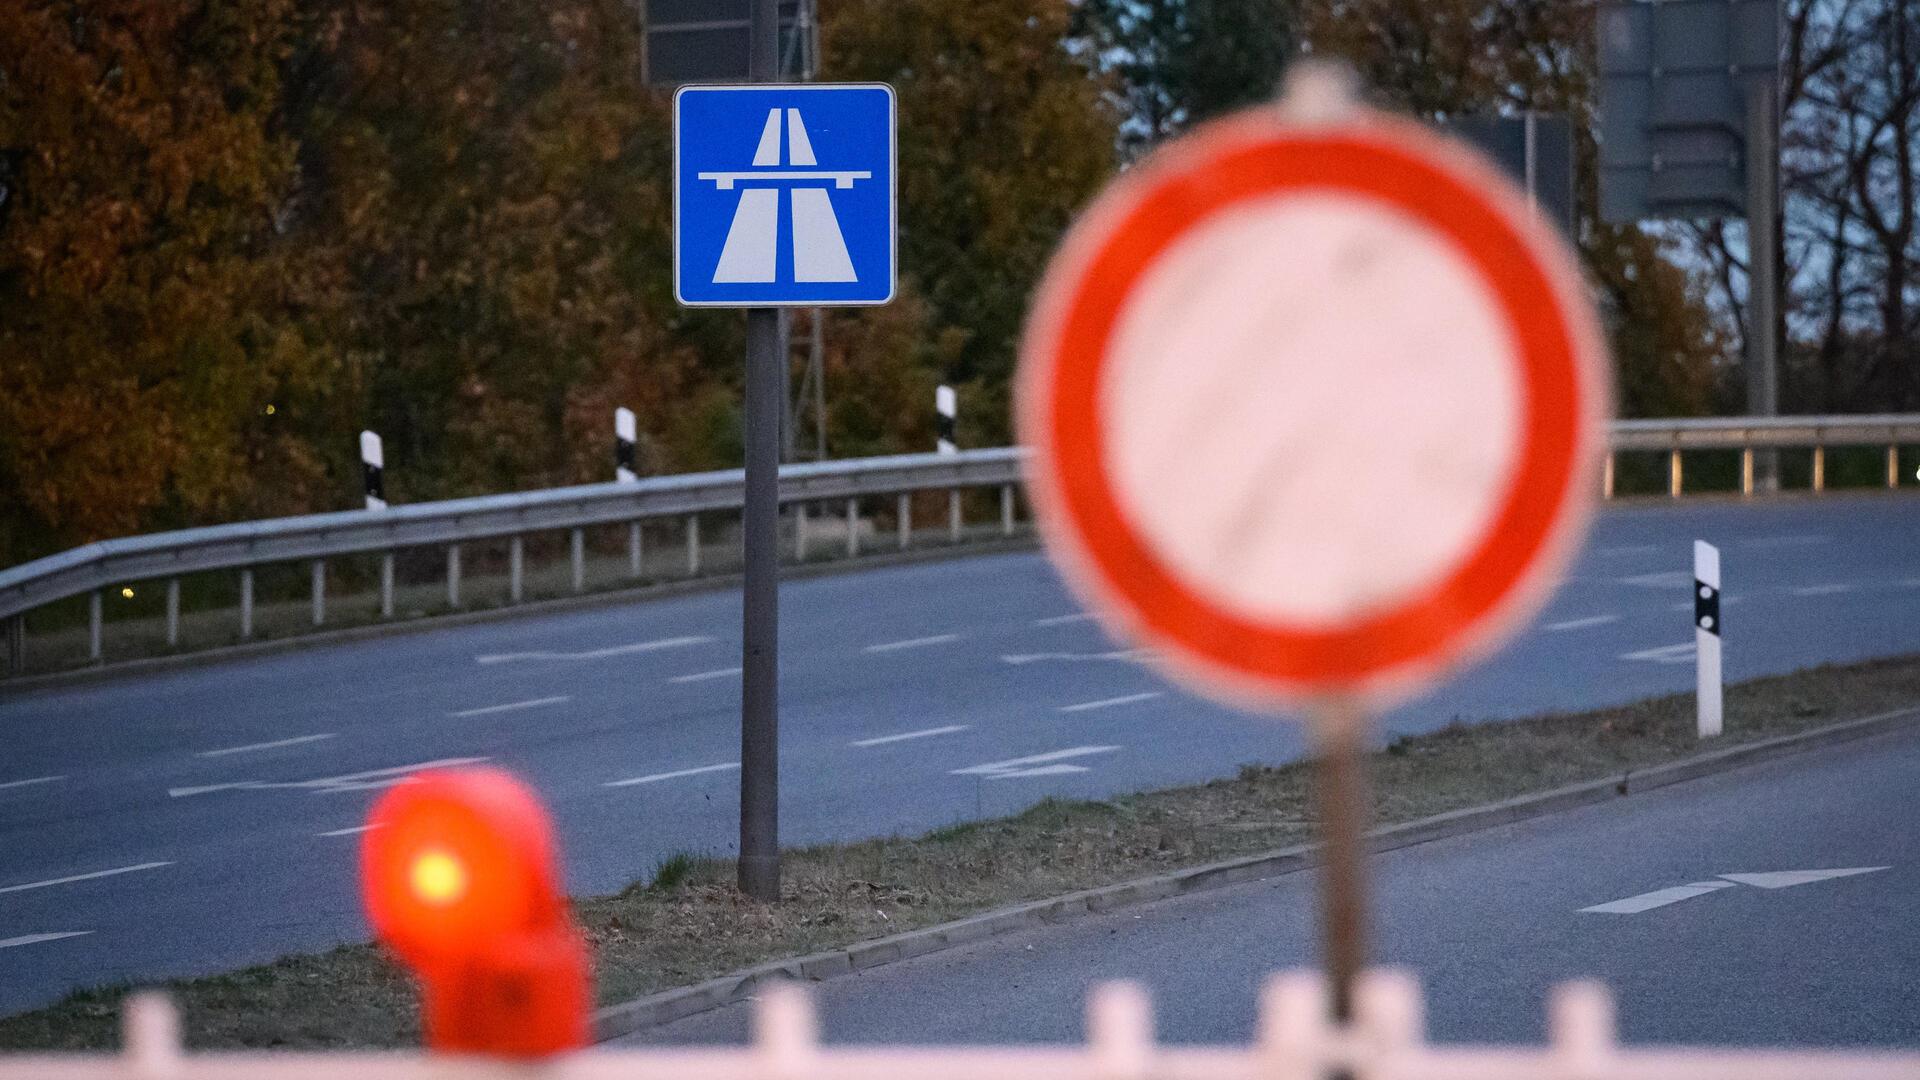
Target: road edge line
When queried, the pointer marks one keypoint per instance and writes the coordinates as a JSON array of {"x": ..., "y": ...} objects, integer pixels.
[{"x": 664, "y": 1006}]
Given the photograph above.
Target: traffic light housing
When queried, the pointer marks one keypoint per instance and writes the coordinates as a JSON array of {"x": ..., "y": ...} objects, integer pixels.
[{"x": 460, "y": 875}]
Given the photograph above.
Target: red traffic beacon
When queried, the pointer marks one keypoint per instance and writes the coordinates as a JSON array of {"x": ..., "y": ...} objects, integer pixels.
[{"x": 460, "y": 874}]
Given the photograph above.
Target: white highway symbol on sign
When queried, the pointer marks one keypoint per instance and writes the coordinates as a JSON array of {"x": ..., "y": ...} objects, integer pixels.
[
  {"x": 819, "y": 248},
  {"x": 1776, "y": 879}
]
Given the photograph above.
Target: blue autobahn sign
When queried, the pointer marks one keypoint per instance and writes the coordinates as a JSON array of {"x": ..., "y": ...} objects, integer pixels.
[{"x": 783, "y": 195}]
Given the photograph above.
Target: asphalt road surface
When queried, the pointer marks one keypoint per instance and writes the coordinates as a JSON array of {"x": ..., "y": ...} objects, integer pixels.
[
  {"x": 1491, "y": 920},
  {"x": 196, "y": 821}
]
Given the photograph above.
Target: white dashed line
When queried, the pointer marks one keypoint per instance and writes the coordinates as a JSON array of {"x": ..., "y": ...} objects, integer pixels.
[
  {"x": 904, "y": 736},
  {"x": 29, "y": 783},
  {"x": 596, "y": 654},
  {"x": 1665, "y": 579},
  {"x": 912, "y": 643},
  {"x": 1664, "y": 654},
  {"x": 511, "y": 706},
  {"x": 1108, "y": 703},
  {"x": 1632, "y": 549},
  {"x": 355, "y": 831},
  {"x": 274, "y": 745},
  {"x": 703, "y": 676},
  {"x": 82, "y": 877},
  {"x": 35, "y": 939},
  {"x": 1062, "y": 620},
  {"x": 1121, "y": 655},
  {"x": 1823, "y": 590},
  {"x": 656, "y": 777},
  {"x": 1582, "y": 624},
  {"x": 1634, "y": 905}
]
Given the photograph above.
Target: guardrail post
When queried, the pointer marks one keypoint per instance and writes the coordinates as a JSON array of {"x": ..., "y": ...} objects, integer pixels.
[
  {"x": 905, "y": 514},
  {"x": 319, "y": 592},
  {"x": 633, "y": 549},
  {"x": 453, "y": 575},
  {"x": 94, "y": 619},
  {"x": 17, "y": 644},
  {"x": 799, "y": 532},
  {"x": 1746, "y": 471},
  {"x": 1673, "y": 473},
  {"x": 853, "y": 528},
  {"x": 1006, "y": 509},
  {"x": 516, "y": 564},
  {"x": 246, "y": 603},
  {"x": 1893, "y": 466},
  {"x": 693, "y": 545},
  {"x": 173, "y": 612},
  {"x": 386, "y": 584},
  {"x": 1606, "y": 477},
  {"x": 579, "y": 560},
  {"x": 953, "y": 515},
  {"x": 1819, "y": 468}
]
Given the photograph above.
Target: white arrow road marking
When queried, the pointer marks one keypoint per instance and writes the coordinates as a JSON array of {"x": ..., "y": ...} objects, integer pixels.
[
  {"x": 487, "y": 710},
  {"x": 1582, "y": 624},
  {"x": 1634, "y": 905},
  {"x": 656, "y": 777},
  {"x": 35, "y": 939},
  {"x": 1121, "y": 655},
  {"x": 1664, "y": 654},
  {"x": 903, "y": 737},
  {"x": 1787, "y": 879},
  {"x": 327, "y": 785},
  {"x": 596, "y": 654},
  {"x": 28, "y": 783},
  {"x": 274, "y": 745},
  {"x": 1109, "y": 703},
  {"x": 83, "y": 877},
  {"x": 1036, "y": 765},
  {"x": 912, "y": 643}
]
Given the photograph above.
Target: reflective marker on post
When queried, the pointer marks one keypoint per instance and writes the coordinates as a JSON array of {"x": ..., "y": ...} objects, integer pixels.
[
  {"x": 624, "y": 435},
  {"x": 946, "y": 407},
  {"x": 1706, "y": 633},
  {"x": 460, "y": 877},
  {"x": 373, "y": 464}
]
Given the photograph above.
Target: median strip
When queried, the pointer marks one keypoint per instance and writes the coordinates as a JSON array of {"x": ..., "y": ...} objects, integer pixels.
[{"x": 667, "y": 946}]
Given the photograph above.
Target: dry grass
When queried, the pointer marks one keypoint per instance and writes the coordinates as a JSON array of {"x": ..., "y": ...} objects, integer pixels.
[{"x": 689, "y": 924}]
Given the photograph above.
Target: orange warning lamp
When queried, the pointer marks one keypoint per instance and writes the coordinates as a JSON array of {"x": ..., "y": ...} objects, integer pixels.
[{"x": 459, "y": 871}]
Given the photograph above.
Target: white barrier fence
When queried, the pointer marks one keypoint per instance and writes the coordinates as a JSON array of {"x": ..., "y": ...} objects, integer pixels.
[{"x": 1294, "y": 1042}]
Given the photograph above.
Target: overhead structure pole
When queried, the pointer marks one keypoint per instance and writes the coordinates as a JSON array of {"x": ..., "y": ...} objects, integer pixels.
[{"x": 1763, "y": 262}]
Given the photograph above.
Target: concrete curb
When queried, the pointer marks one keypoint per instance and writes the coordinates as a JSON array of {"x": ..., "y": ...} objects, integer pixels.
[
  {"x": 668, "y": 1005},
  {"x": 151, "y": 665}
]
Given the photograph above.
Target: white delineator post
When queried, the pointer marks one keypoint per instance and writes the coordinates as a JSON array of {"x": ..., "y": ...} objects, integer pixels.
[
  {"x": 947, "y": 405},
  {"x": 623, "y": 441},
  {"x": 373, "y": 464},
  {"x": 1706, "y": 632}
]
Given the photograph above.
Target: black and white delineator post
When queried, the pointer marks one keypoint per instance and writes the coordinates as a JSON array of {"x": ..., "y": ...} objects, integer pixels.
[
  {"x": 623, "y": 440},
  {"x": 1706, "y": 633},
  {"x": 947, "y": 404},
  {"x": 373, "y": 464}
]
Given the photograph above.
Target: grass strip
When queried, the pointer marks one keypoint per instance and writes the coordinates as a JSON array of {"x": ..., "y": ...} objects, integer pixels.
[{"x": 687, "y": 923}]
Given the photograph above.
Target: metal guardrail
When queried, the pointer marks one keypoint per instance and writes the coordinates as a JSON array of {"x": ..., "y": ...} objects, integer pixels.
[
  {"x": 1295, "y": 1041},
  {"x": 315, "y": 538}
]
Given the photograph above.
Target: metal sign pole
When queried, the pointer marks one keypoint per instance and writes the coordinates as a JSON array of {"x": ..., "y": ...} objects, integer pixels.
[
  {"x": 759, "y": 870},
  {"x": 1340, "y": 789},
  {"x": 1763, "y": 261}
]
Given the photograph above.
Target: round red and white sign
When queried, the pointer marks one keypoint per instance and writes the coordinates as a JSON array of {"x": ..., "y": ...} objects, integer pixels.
[{"x": 1315, "y": 408}]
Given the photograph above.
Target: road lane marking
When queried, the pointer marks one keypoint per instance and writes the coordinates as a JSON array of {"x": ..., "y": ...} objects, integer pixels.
[
  {"x": 35, "y": 939},
  {"x": 274, "y": 745},
  {"x": 596, "y": 654},
  {"x": 1823, "y": 590},
  {"x": 1582, "y": 624},
  {"x": 1634, "y": 905},
  {"x": 1632, "y": 549},
  {"x": 1726, "y": 600},
  {"x": 904, "y": 736},
  {"x": 29, "y": 783},
  {"x": 1062, "y": 620},
  {"x": 1682, "y": 653},
  {"x": 510, "y": 706},
  {"x": 1787, "y": 879},
  {"x": 83, "y": 877},
  {"x": 1910, "y": 583},
  {"x": 1108, "y": 703},
  {"x": 1665, "y": 579},
  {"x": 702, "y": 676},
  {"x": 329, "y": 785},
  {"x": 911, "y": 643},
  {"x": 1121, "y": 655},
  {"x": 1796, "y": 540},
  {"x": 656, "y": 777},
  {"x": 355, "y": 831},
  {"x": 1048, "y": 764}
]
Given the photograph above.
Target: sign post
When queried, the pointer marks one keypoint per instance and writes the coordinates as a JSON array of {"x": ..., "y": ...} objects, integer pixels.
[
  {"x": 1315, "y": 481},
  {"x": 783, "y": 197}
]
